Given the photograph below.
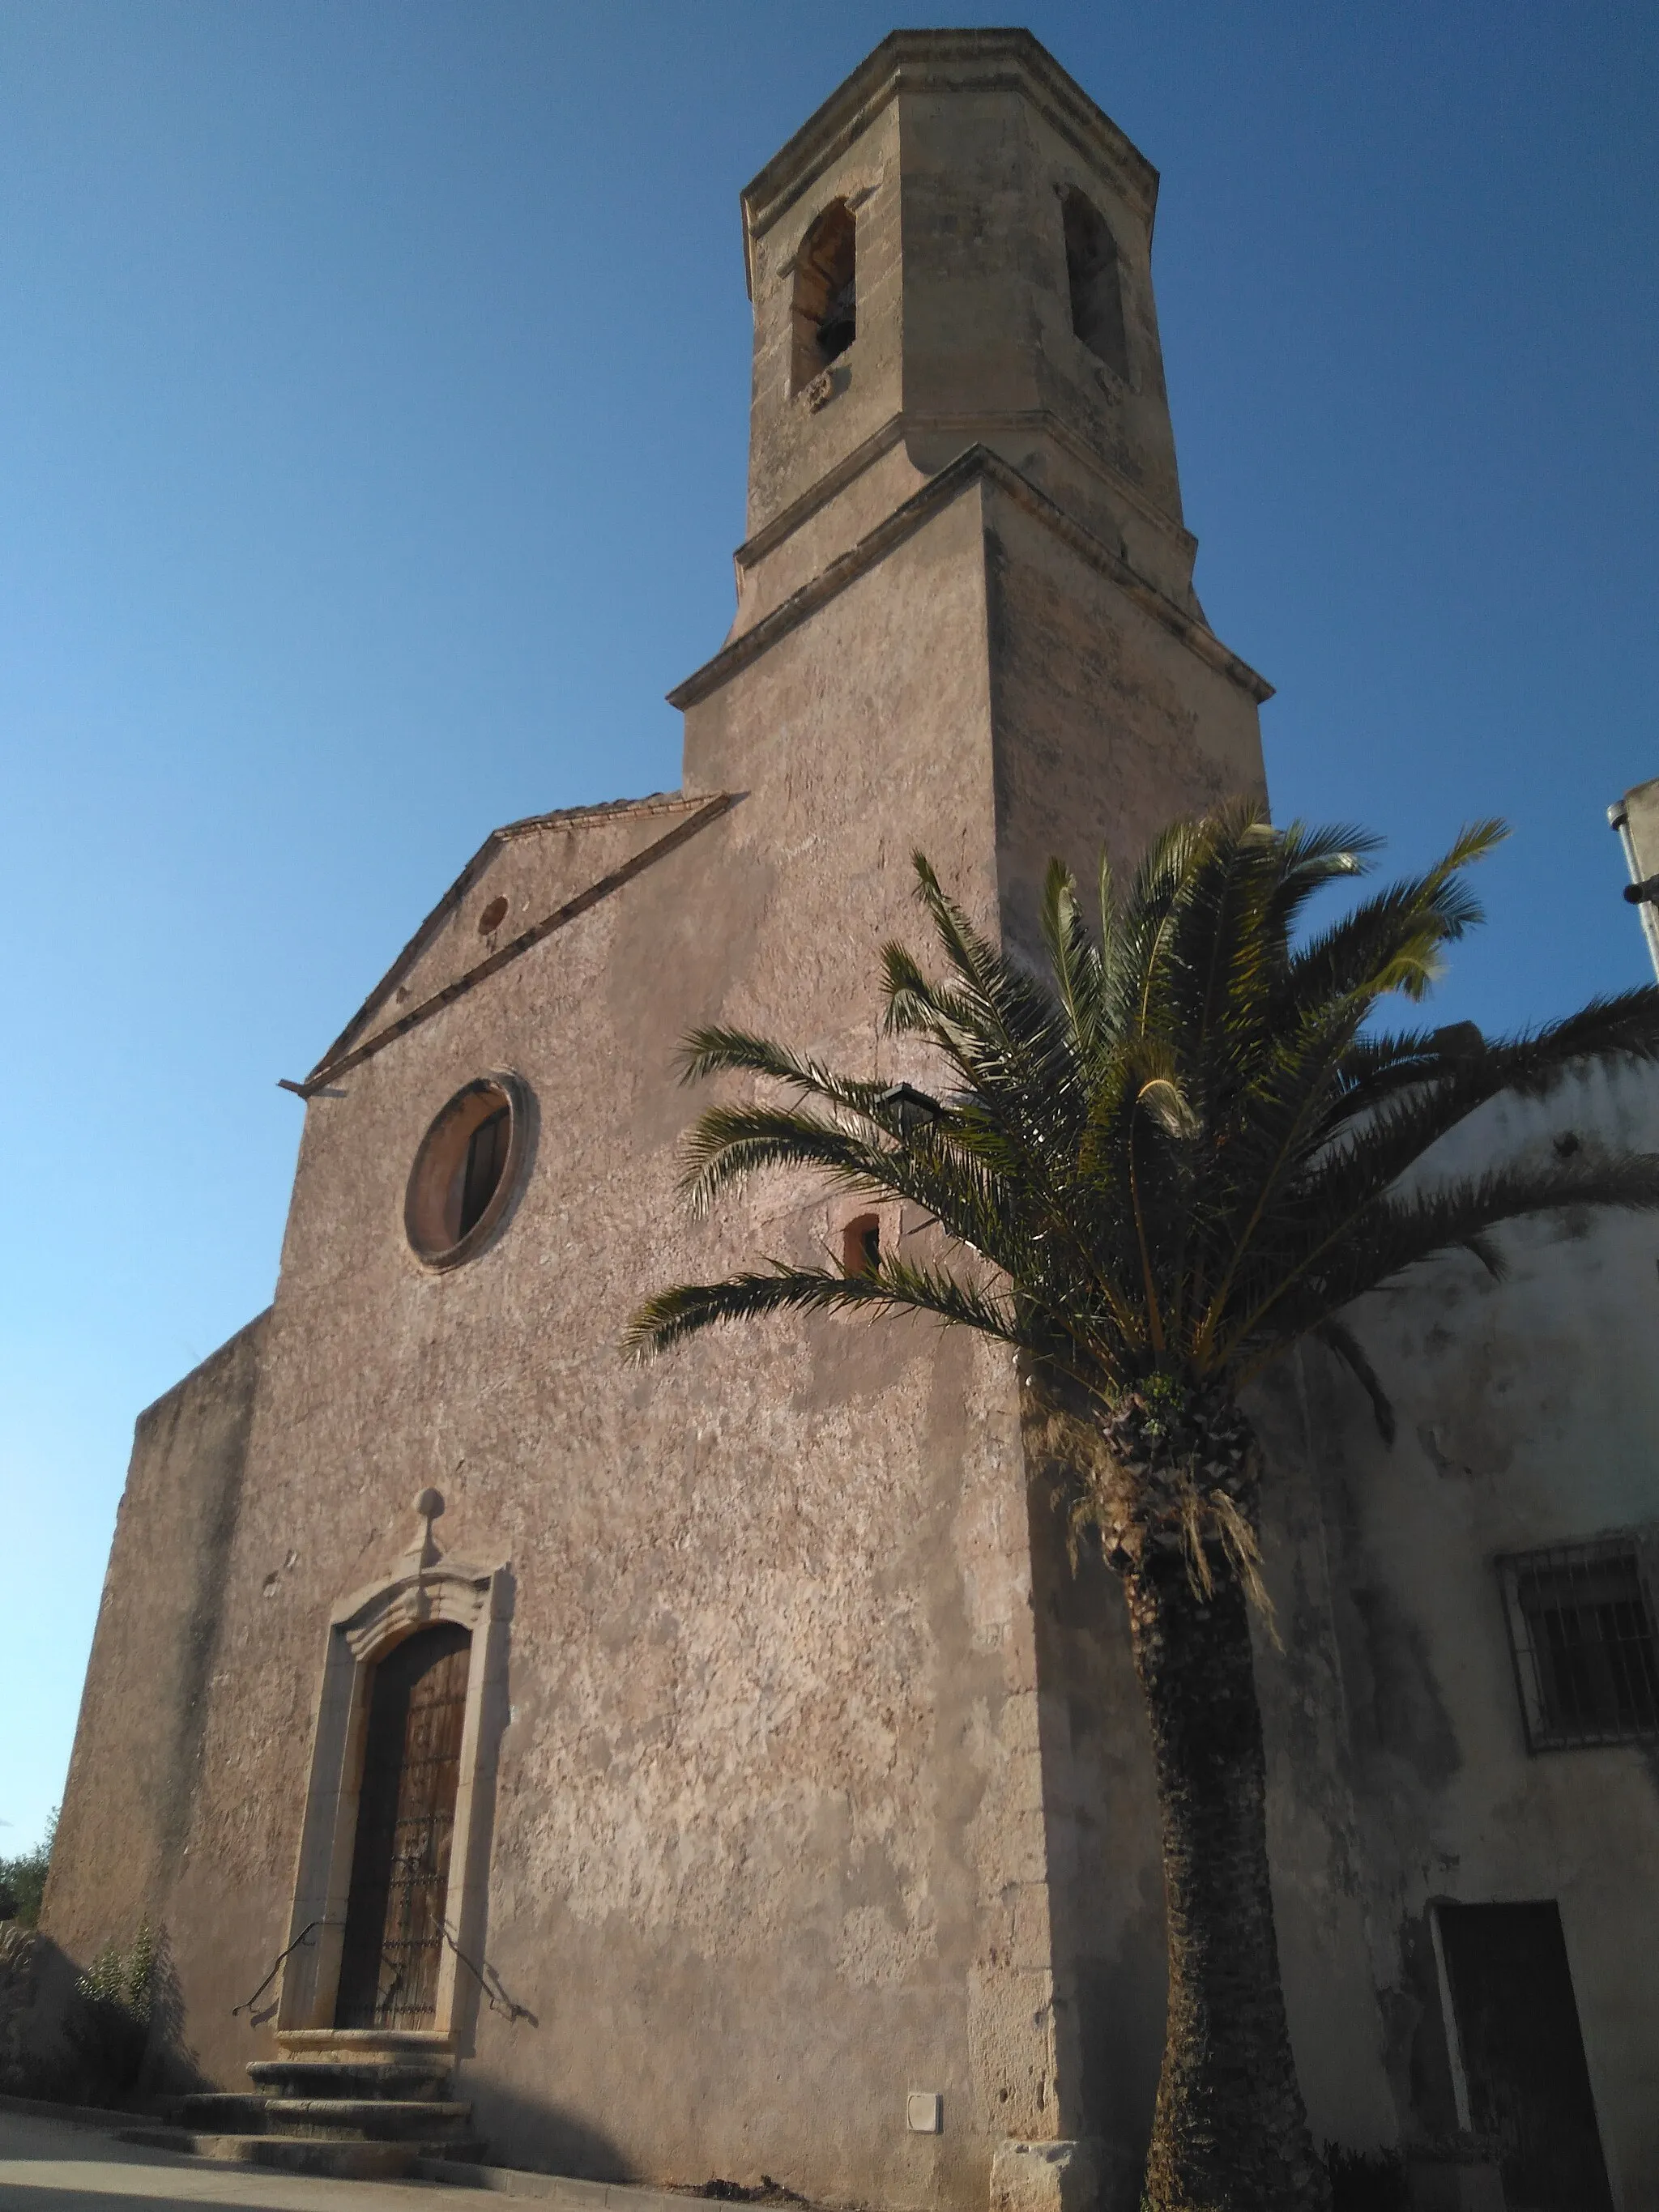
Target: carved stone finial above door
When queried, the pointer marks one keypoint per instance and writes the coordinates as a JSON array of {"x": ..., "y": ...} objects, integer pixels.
[{"x": 424, "y": 1552}]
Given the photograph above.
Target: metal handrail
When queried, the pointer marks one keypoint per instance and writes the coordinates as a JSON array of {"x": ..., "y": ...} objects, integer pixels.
[
  {"x": 485, "y": 1976},
  {"x": 248, "y": 2004},
  {"x": 509, "y": 2006}
]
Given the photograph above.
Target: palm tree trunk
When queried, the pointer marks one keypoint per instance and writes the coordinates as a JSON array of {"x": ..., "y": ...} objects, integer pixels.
[{"x": 1231, "y": 2132}]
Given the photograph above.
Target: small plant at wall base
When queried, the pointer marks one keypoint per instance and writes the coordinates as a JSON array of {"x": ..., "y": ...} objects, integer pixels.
[
  {"x": 109, "y": 2025},
  {"x": 1366, "y": 2180},
  {"x": 1157, "y": 1172}
]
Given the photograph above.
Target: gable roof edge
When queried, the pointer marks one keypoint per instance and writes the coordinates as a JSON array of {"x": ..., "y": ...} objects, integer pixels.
[{"x": 657, "y": 802}]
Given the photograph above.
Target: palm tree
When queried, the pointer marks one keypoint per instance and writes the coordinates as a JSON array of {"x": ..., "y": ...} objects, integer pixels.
[{"x": 1155, "y": 1171}]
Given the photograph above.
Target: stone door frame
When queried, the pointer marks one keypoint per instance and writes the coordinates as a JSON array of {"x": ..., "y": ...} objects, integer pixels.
[{"x": 362, "y": 1629}]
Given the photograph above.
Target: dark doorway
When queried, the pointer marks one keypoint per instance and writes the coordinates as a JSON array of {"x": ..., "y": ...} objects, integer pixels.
[
  {"x": 1523, "y": 2059},
  {"x": 394, "y": 1941}
]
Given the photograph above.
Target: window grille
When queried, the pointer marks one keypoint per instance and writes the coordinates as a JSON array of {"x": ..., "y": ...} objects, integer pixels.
[{"x": 1582, "y": 1632}]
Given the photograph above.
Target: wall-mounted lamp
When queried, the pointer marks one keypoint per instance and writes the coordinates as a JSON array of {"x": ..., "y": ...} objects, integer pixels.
[{"x": 913, "y": 1110}]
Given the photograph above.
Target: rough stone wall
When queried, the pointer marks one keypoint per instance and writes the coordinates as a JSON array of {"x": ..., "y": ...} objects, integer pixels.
[
  {"x": 954, "y": 149},
  {"x": 533, "y": 867},
  {"x": 770, "y": 1839},
  {"x": 1124, "y": 420},
  {"x": 124, "y": 1827},
  {"x": 1109, "y": 725},
  {"x": 987, "y": 300},
  {"x": 793, "y": 446}
]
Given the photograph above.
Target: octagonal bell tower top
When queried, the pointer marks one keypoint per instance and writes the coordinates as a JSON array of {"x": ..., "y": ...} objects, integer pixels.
[{"x": 955, "y": 250}]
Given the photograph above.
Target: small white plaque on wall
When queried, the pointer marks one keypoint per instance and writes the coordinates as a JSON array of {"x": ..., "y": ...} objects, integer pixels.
[{"x": 924, "y": 2112}]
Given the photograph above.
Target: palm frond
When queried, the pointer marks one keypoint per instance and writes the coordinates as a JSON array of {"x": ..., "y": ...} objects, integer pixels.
[
  {"x": 1337, "y": 1337},
  {"x": 718, "y": 1051},
  {"x": 690, "y": 1307},
  {"x": 726, "y": 1145},
  {"x": 1188, "y": 1147},
  {"x": 1394, "y": 942},
  {"x": 1396, "y": 1233},
  {"x": 1080, "y": 977}
]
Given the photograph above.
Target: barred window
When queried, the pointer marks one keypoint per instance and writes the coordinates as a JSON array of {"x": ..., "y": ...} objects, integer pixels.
[{"x": 1581, "y": 1627}]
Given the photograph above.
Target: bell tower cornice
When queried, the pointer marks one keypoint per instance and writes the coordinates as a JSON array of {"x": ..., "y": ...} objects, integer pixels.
[
  {"x": 935, "y": 62},
  {"x": 954, "y": 251}
]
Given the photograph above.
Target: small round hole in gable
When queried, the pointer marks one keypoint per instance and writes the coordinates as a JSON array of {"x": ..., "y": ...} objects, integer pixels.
[
  {"x": 492, "y": 917},
  {"x": 465, "y": 1169}
]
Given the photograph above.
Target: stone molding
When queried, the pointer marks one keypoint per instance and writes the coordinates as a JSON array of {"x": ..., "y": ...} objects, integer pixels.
[
  {"x": 926, "y": 61},
  {"x": 528, "y": 825},
  {"x": 453, "y": 1592},
  {"x": 1012, "y": 422},
  {"x": 978, "y": 463},
  {"x": 329, "y": 1070},
  {"x": 426, "y": 1588}
]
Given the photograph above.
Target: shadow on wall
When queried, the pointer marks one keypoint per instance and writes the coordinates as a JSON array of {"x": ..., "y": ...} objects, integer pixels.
[
  {"x": 1109, "y": 1913},
  {"x": 533, "y": 2133},
  {"x": 108, "y": 2033}
]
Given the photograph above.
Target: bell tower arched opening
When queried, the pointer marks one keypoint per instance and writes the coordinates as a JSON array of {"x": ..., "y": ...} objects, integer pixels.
[
  {"x": 826, "y": 293},
  {"x": 1096, "y": 286}
]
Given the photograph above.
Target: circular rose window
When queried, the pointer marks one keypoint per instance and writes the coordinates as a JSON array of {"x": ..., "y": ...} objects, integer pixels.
[{"x": 465, "y": 1169}]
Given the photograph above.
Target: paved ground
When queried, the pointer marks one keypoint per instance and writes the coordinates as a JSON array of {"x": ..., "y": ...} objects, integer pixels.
[{"x": 48, "y": 2166}]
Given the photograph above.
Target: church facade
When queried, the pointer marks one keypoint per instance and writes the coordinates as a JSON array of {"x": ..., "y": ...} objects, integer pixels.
[{"x": 716, "y": 1768}]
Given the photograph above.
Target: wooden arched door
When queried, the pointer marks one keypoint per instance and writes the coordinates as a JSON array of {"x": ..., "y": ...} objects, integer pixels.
[{"x": 393, "y": 1943}]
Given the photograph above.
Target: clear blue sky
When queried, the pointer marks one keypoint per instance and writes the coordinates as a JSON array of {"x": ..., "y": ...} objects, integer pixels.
[{"x": 372, "y": 389}]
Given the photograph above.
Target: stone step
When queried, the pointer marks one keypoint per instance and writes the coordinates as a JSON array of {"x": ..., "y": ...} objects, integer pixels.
[
  {"x": 400, "y": 2078},
  {"x": 338, "y": 2161},
  {"x": 223, "y": 2112},
  {"x": 406, "y": 2046},
  {"x": 367, "y": 2119}
]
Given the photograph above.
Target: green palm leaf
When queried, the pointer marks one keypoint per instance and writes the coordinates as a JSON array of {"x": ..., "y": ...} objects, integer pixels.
[{"x": 1188, "y": 1147}]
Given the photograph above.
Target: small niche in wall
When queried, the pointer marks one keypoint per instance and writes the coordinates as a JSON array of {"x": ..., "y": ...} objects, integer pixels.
[{"x": 860, "y": 1245}]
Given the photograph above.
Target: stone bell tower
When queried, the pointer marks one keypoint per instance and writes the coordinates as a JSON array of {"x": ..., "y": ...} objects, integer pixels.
[
  {"x": 950, "y": 268},
  {"x": 794, "y": 1817},
  {"x": 966, "y": 623}
]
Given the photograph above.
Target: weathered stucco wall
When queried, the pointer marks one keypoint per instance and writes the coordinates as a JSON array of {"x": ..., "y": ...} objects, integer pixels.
[
  {"x": 768, "y": 1843},
  {"x": 1528, "y": 1410},
  {"x": 124, "y": 1828},
  {"x": 1110, "y": 725},
  {"x": 1399, "y": 1771}
]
